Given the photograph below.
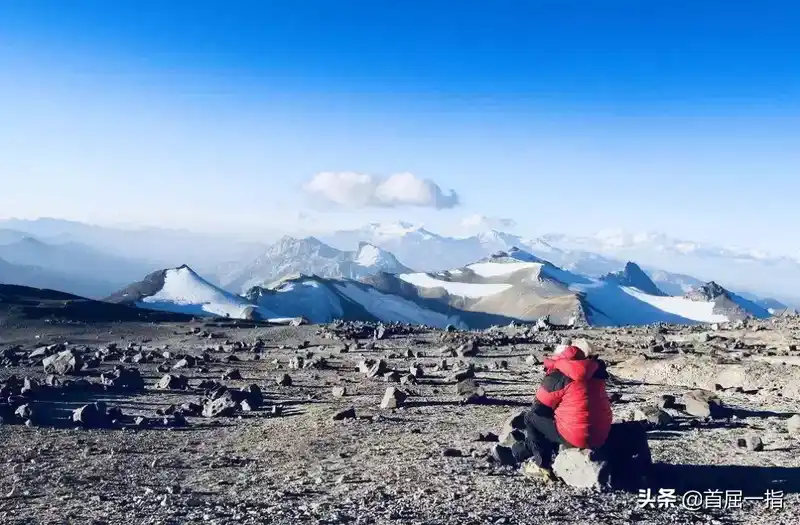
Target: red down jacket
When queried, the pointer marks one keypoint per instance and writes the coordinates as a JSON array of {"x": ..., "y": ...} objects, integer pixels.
[{"x": 574, "y": 388}]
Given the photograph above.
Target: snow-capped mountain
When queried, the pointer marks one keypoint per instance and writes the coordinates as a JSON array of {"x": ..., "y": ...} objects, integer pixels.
[
  {"x": 633, "y": 277},
  {"x": 310, "y": 256},
  {"x": 181, "y": 290}
]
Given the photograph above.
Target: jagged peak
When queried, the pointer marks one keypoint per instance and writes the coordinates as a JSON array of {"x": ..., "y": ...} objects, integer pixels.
[
  {"x": 633, "y": 276},
  {"x": 708, "y": 292}
]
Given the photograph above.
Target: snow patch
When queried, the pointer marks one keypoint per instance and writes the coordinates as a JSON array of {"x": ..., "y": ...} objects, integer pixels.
[
  {"x": 495, "y": 269},
  {"x": 470, "y": 290},
  {"x": 391, "y": 308},
  {"x": 700, "y": 311}
]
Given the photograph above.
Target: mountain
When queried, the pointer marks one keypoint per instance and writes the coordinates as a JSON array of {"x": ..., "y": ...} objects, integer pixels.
[
  {"x": 181, "y": 290},
  {"x": 674, "y": 283},
  {"x": 323, "y": 300},
  {"x": 37, "y": 277},
  {"x": 19, "y": 304},
  {"x": 163, "y": 247},
  {"x": 726, "y": 302},
  {"x": 633, "y": 277},
  {"x": 310, "y": 256},
  {"x": 73, "y": 259},
  {"x": 741, "y": 269}
]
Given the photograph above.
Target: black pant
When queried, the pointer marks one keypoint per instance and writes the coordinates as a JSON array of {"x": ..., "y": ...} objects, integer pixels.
[{"x": 542, "y": 439}]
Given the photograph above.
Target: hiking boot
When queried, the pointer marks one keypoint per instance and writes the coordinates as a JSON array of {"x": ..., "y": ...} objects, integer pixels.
[
  {"x": 503, "y": 455},
  {"x": 531, "y": 469}
]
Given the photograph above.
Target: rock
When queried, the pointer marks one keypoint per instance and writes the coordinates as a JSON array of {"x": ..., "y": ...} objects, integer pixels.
[
  {"x": 63, "y": 363},
  {"x": 339, "y": 391},
  {"x": 348, "y": 413},
  {"x": 122, "y": 378},
  {"x": 701, "y": 403},
  {"x": 752, "y": 443},
  {"x": 191, "y": 409},
  {"x": 449, "y": 328},
  {"x": 489, "y": 437},
  {"x": 224, "y": 405},
  {"x": 793, "y": 424},
  {"x": 653, "y": 415},
  {"x": 452, "y": 453},
  {"x": 173, "y": 382},
  {"x": 515, "y": 422},
  {"x": 378, "y": 369},
  {"x": 408, "y": 379},
  {"x": 391, "y": 377},
  {"x": 416, "y": 371},
  {"x": 581, "y": 468},
  {"x": 393, "y": 398},
  {"x": 666, "y": 401},
  {"x": 296, "y": 363},
  {"x": 24, "y": 412},
  {"x": 90, "y": 416},
  {"x": 285, "y": 380},
  {"x": 232, "y": 374},
  {"x": 380, "y": 332},
  {"x": 186, "y": 362},
  {"x": 470, "y": 391},
  {"x": 460, "y": 375},
  {"x": 468, "y": 349},
  {"x": 447, "y": 352},
  {"x": 253, "y": 396}
]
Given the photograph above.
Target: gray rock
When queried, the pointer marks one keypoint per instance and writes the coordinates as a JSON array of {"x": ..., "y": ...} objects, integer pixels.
[
  {"x": 285, "y": 380},
  {"x": 408, "y": 379},
  {"x": 24, "y": 412},
  {"x": 339, "y": 391},
  {"x": 348, "y": 413},
  {"x": 702, "y": 403},
  {"x": 63, "y": 363},
  {"x": 581, "y": 468},
  {"x": 468, "y": 349},
  {"x": 232, "y": 374},
  {"x": 223, "y": 405},
  {"x": 416, "y": 371},
  {"x": 666, "y": 401},
  {"x": 378, "y": 369},
  {"x": 173, "y": 382},
  {"x": 296, "y": 363},
  {"x": 393, "y": 398},
  {"x": 186, "y": 362},
  {"x": 515, "y": 422},
  {"x": 391, "y": 377},
  {"x": 90, "y": 416},
  {"x": 460, "y": 375},
  {"x": 752, "y": 443},
  {"x": 653, "y": 415},
  {"x": 793, "y": 424},
  {"x": 470, "y": 391}
]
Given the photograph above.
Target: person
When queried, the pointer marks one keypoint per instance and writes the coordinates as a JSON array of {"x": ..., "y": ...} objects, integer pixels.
[{"x": 572, "y": 409}]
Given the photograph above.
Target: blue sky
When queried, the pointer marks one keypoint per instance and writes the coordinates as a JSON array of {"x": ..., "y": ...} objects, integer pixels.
[{"x": 682, "y": 117}]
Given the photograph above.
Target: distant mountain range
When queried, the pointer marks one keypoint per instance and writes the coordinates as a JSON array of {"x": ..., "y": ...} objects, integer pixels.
[
  {"x": 507, "y": 286},
  {"x": 294, "y": 257},
  {"x": 94, "y": 261}
]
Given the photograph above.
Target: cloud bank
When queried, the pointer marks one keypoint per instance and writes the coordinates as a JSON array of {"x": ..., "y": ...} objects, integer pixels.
[
  {"x": 361, "y": 190},
  {"x": 478, "y": 222}
]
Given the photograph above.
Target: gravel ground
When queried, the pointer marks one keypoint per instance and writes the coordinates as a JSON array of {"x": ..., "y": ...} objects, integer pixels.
[{"x": 296, "y": 464}]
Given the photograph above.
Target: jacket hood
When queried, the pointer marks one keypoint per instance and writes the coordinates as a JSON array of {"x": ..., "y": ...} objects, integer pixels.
[{"x": 572, "y": 362}]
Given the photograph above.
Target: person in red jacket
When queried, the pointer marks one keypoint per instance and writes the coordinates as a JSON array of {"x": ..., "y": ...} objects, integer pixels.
[{"x": 572, "y": 409}]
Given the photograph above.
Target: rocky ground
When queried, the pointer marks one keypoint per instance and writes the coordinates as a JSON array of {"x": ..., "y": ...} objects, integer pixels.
[{"x": 160, "y": 423}]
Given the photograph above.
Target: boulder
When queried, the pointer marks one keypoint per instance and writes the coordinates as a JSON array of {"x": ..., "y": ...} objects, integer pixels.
[
  {"x": 224, "y": 405},
  {"x": 653, "y": 415},
  {"x": 468, "y": 349},
  {"x": 470, "y": 391},
  {"x": 752, "y": 443},
  {"x": 90, "y": 416},
  {"x": 515, "y": 422},
  {"x": 793, "y": 424},
  {"x": 172, "y": 382},
  {"x": 285, "y": 380},
  {"x": 348, "y": 413},
  {"x": 339, "y": 391},
  {"x": 122, "y": 378},
  {"x": 253, "y": 396},
  {"x": 582, "y": 468},
  {"x": 187, "y": 362},
  {"x": 416, "y": 371},
  {"x": 378, "y": 369},
  {"x": 393, "y": 398},
  {"x": 63, "y": 363},
  {"x": 232, "y": 374},
  {"x": 391, "y": 377},
  {"x": 702, "y": 403}
]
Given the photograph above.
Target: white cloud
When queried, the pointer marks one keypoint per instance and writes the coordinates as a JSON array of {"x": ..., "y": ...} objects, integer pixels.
[
  {"x": 478, "y": 222},
  {"x": 361, "y": 190}
]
